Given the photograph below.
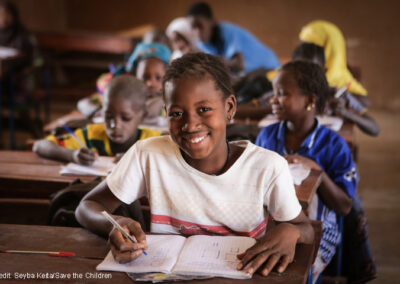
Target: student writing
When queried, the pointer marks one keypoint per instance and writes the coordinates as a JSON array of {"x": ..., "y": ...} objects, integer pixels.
[
  {"x": 123, "y": 110},
  {"x": 197, "y": 182}
]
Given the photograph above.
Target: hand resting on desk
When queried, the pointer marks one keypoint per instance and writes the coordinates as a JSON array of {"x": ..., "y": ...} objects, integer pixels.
[{"x": 277, "y": 246}]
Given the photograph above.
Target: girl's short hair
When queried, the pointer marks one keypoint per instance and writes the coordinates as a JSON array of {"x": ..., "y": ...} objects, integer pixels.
[
  {"x": 200, "y": 65},
  {"x": 310, "y": 78}
]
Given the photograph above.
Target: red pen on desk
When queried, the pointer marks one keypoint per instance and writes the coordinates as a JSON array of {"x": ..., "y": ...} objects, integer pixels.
[{"x": 50, "y": 253}]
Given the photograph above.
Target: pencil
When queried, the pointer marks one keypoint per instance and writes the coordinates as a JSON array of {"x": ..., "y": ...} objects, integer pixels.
[
  {"x": 119, "y": 228},
  {"x": 50, "y": 253}
]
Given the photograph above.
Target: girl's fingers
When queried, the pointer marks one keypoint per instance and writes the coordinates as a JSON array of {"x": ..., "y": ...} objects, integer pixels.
[
  {"x": 285, "y": 260},
  {"x": 123, "y": 245},
  {"x": 251, "y": 253},
  {"x": 124, "y": 257},
  {"x": 136, "y": 230},
  {"x": 258, "y": 261},
  {"x": 271, "y": 262}
]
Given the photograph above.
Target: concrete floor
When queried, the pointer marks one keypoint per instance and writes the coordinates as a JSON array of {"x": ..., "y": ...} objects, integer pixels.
[{"x": 379, "y": 188}]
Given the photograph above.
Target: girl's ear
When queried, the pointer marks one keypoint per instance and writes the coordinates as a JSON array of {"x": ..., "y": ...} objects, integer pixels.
[
  {"x": 230, "y": 106},
  {"x": 312, "y": 100}
]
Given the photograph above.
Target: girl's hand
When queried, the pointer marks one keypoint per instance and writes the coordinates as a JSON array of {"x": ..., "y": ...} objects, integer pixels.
[
  {"x": 338, "y": 107},
  {"x": 277, "y": 247},
  {"x": 122, "y": 249},
  {"x": 84, "y": 156},
  {"x": 297, "y": 159}
]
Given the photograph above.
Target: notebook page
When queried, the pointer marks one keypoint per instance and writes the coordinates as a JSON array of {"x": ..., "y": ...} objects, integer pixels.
[
  {"x": 213, "y": 255},
  {"x": 162, "y": 253},
  {"x": 101, "y": 167},
  {"x": 299, "y": 173}
]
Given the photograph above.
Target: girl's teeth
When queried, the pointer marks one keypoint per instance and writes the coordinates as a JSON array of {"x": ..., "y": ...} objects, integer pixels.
[{"x": 197, "y": 140}]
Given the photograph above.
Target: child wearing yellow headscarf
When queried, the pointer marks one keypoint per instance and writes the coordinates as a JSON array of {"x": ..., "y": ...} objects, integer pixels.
[{"x": 328, "y": 36}]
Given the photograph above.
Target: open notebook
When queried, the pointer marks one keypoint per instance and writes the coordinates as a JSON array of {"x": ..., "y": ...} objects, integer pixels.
[
  {"x": 101, "y": 167},
  {"x": 197, "y": 255}
]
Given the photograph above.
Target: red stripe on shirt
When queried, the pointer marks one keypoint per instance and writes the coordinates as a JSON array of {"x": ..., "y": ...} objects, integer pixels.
[{"x": 189, "y": 228}]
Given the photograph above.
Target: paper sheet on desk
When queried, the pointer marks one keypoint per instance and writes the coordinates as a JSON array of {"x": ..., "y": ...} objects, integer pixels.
[
  {"x": 101, "y": 167},
  {"x": 6, "y": 52},
  {"x": 299, "y": 173},
  {"x": 333, "y": 122}
]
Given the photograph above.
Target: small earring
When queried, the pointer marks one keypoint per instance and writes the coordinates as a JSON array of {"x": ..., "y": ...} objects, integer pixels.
[
  {"x": 230, "y": 119},
  {"x": 310, "y": 107}
]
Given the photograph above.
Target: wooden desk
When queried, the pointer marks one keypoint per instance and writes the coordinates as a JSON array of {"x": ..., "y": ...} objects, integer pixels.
[
  {"x": 84, "y": 41},
  {"x": 91, "y": 249},
  {"x": 25, "y": 175},
  {"x": 306, "y": 190}
]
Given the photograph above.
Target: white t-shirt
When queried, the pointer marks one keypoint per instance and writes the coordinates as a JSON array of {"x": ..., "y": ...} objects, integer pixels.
[{"x": 186, "y": 201}]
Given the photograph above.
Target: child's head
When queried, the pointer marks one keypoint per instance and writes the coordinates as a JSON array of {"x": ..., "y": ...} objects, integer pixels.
[
  {"x": 8, "y": 15},
  {"x": 310, "y": 52},
  {"x": 150, "y": 61},
  {"x": 300, "y": 88},
  {"x": 202, "y": 20},
  {"x": 124, "y": 108},
  {"x": 199, "y": 101},
  {"x": 181, "y": 35}
]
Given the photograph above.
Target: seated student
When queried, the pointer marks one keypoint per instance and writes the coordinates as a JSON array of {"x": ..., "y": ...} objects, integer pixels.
[
  {"x": 188, "y": 176},
  {"x": 300, "y": 92},
  {"x": 148, "y": 62},
  {"x": 123, "y": 110},
  {"x": 240, "y": 50},
  {"x": 181, "y": 36},
  {"x": 352, "y": 106},
  {"x": 18, "y": 78}
]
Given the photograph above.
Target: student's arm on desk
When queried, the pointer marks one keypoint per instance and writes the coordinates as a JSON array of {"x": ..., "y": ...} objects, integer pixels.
[
  {"x": 332, "y": 195},
  {"x": 364, "y": 121},
  {"x": 277, "y": 246},
  {"x": 89, "y": 215},
  {"x": 50, "y": 150}
]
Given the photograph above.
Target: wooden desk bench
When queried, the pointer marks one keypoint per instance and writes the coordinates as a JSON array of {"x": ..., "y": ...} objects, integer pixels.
[
  {"x": 91, "y": 249},
  {"x": 26, "y": 185}
]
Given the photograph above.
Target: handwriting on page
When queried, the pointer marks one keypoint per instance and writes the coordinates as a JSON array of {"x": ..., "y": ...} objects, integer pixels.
[{"x": 212, "y": 255}]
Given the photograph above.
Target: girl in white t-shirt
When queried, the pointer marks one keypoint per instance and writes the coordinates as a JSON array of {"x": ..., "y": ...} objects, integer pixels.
[{"x": 197, "y": 182}]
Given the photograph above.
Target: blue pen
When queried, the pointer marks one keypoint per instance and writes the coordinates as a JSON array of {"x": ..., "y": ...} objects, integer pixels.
[
  {"x": 69, "y": 130},
  {"x": 119, "y": 228}
]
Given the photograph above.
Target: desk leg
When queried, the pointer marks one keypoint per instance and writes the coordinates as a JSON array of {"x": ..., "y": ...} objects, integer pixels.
[
  {"x": 1, "y": 112},
  {"x": 11, "y": 112}
]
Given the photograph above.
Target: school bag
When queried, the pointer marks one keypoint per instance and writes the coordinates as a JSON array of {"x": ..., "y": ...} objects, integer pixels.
[{"x": 64, "y": 203}]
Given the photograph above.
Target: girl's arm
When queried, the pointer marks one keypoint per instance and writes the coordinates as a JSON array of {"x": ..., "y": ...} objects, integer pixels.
[
  {"x": 277, "y": 246},
  {"x": 50, "y": 150},
  {"x": 88, "y": 214},
  {"x": 331, "y": 194},
  {"x": 365, "y": 122}
]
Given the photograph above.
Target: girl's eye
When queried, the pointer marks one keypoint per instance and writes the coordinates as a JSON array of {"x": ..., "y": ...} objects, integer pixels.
[
  {"x": 175, "y": 114},
  {"x": 204, "y": 109},
  {"x": 126, "y": 119},
  {"x": 281, "y": 94}
]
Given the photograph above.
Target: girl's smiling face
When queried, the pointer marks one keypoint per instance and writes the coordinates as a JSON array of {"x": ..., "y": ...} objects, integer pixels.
[
  {"x": 289, "y": 101},
  {"x": 197, "y": 115}
]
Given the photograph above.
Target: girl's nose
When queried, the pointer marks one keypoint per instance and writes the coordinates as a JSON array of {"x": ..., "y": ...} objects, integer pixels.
[
  {"x": 112, "y": 123},
  {"x": 191, "y": 123}
]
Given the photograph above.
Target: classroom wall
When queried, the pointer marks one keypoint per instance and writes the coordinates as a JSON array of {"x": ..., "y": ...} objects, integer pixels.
[{"x": 370, "y": 27}]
